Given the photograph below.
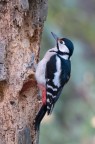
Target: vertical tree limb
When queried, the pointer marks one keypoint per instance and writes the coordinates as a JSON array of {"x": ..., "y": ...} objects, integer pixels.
[{"x": 21, "y": 25}]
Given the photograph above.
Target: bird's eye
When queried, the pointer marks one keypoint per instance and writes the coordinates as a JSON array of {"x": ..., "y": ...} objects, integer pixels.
[{"x": 62, "y": 42}]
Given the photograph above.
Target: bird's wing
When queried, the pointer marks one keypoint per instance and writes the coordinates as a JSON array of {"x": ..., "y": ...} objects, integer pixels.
[{"x": 53, "y": 83}]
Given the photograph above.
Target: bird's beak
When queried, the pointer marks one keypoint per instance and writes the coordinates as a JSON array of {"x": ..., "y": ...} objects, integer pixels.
[{"x": 55, "y": 36}]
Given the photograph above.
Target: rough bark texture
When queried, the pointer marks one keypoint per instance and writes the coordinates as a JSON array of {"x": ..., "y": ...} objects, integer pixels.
[{"x": 21, "y": 24}]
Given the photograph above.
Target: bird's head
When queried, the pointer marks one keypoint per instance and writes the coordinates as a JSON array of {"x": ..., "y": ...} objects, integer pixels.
[{"x": 64, "y": 45}]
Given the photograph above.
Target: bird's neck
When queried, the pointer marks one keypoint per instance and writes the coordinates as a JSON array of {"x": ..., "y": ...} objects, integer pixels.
[
  {"x": 66, "y": 57},
  {"x": 63, "y": 54}
]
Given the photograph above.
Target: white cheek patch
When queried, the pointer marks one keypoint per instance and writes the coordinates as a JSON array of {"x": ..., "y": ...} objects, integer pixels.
[{"x": 63, "y": 48}]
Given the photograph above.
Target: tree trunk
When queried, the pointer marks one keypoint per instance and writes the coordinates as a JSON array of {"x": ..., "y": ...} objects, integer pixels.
[{"x": 21, "y": 24}]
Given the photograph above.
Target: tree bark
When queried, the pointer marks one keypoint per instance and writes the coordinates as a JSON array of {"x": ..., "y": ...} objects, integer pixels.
[{"x": 21, "y": 25}]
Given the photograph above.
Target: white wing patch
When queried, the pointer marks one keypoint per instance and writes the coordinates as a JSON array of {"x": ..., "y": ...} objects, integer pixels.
[{"x": 56, "y": 79}]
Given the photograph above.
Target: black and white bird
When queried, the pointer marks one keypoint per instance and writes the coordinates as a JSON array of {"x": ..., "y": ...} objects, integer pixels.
[{"x": 52, "y": 73}]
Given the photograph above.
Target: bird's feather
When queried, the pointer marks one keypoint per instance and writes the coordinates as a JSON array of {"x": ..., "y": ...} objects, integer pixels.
[{"x": 56, "y": 77}]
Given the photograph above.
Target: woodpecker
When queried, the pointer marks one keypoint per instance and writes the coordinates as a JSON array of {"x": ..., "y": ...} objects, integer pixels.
[{"x": 52, "y": 73}]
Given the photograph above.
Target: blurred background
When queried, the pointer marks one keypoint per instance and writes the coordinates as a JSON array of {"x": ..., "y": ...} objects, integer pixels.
[{"x": 73, "y": 118}]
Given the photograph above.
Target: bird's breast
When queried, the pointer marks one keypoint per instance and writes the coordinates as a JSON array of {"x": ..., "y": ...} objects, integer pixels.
[{"x": 40, "y": 72}]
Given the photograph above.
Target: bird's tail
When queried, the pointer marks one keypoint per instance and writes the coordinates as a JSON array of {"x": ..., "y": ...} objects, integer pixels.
[{"x": 40, "y": 116}]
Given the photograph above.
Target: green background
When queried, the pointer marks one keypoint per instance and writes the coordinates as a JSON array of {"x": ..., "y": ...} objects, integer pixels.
[{"x": 73, "y": 118}]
